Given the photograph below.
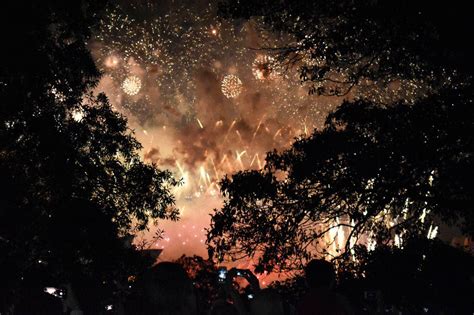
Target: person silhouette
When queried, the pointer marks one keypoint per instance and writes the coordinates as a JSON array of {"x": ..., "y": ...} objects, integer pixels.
[
  {"x": 321, "y": 299},
  {"x": 267, "y": 302},
  {"x": 164, "y": 289},
  {"x": 222, "y": 307}
]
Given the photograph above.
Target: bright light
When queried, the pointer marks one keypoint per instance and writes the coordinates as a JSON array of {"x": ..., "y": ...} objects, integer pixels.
[
  {"x": 263, "y": 68},
  {"x": 132, "y": 85},
  {"x": 231, "y": 86}
]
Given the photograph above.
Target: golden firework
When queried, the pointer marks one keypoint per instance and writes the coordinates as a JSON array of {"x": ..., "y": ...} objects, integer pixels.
[
  {"x": 132, "y": 85},
  {"x": 263, "y": 67},
  {"x": 231, "y": 86}
]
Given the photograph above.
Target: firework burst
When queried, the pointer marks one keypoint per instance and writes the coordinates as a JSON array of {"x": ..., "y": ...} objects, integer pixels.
[
  {"x": 264, "y": 68},
  {"x": 132, "y": 85},
  {"x": 231, "y": 86},
  {"x": 164, "y": 68}
]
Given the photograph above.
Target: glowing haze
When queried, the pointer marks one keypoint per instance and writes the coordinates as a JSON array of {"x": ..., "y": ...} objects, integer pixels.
[
  {"x": 200, "y": 101},
  {"x": 203, "y": 100}
]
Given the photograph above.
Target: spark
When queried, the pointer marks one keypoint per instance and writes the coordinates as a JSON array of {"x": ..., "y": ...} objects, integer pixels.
[
  {"x": 277, "y": 133},
  {"x": 432, "y": 232},
  {"x": 228, "y": 131},
  {"x": 239, "y": 158},
  {"x": 256, "y": 129},
  {"x": 239, "y": 155},
  {"x": 204, "y": 176},
  {"x": 232, "y": 125},
  {"x": 240, "y": 136},
  {"x": 253, "y": 159},
  {"x": 199, "y": 123},
  {"x": 214, "y": 168}
]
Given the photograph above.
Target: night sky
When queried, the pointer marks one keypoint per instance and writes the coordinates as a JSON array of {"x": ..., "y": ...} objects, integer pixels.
[{"x": 206, "y": 97}]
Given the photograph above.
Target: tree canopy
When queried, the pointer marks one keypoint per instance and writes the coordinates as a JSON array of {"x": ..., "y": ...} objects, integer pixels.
[
  {"x": 387, "y": 165},
  {"x": 72, "y": 181},
  {"x": 339, "y": 45},
  {"x": 424, "y": 276},
  {"x": 373, "y": 175}
]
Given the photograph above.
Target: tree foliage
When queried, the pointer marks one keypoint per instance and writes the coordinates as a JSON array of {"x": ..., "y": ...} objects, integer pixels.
[
  {"x": 379, "y": 170},
  {"x": 371, "y": 175},
  {"x": 337, "y": 45},
  {"x": 424, "y": 274},
  {"x": 203, "y": 273},
  {"x": 72, "y": 179}
]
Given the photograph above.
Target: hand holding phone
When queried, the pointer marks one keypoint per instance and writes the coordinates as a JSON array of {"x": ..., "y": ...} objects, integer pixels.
[
  {"x": 57, "y": 292},
  {"x": 222, "y": 274}
]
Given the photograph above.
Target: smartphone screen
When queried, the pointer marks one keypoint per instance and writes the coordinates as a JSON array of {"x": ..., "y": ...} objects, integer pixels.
[
  {"x": 60, "y": 293},
  {"x": 222, "y": 274}
]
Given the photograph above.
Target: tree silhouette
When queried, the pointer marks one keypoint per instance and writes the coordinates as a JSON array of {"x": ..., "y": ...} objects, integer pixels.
[
  {"x": 373, "y": 175},
  {"x": 203, "y": 273},
  {"x": 72, "y": 180},
  {"x": 337, "y": 45},
  {"x": 425, "y": 274}
]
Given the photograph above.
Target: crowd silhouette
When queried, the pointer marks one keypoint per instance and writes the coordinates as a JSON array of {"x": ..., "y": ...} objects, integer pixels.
[{"x": 167, "y": 288}]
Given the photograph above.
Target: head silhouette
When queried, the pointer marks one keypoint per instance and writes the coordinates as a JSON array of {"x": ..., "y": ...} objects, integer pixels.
[
  {"x": 319, "y": 273},
  {"x": 267, "y": 302},
  {"x": 167, "y": 288},
  {"x": 222, "y": 307}
]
